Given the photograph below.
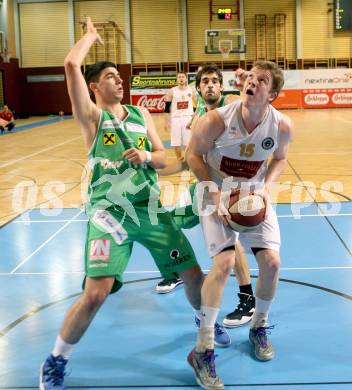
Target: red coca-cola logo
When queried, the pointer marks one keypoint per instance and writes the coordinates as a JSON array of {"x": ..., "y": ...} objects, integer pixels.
[{"x": 153, "y": 103}]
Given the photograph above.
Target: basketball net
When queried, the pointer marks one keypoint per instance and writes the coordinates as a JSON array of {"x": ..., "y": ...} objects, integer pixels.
[{"x": 225, "y": 47}]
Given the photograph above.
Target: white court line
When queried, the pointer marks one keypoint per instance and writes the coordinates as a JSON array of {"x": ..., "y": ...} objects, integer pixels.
[
  {"x": 50, "y": 221},
  {"x": 45, "y": 242},
  {"x": 12, "y": 162},
  {"x": 157, "y": 272},
  {"x": 297, "y": 216}
]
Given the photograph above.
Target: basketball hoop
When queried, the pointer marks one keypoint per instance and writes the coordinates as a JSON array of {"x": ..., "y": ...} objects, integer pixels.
[{"x": 225, "y": 47}]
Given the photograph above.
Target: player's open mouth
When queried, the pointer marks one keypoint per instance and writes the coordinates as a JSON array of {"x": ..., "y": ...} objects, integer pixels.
[{"x": 250, "y": 92}]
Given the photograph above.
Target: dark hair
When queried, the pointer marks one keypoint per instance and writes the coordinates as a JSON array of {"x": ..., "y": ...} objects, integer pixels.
[
  {"x": 92, "y": 72},
  {"x": 206, "y": 69},
  {"x": 276, "y": 73}
]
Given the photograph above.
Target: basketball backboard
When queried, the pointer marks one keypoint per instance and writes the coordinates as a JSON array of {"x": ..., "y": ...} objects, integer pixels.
[{"x": 218, "y": 41}]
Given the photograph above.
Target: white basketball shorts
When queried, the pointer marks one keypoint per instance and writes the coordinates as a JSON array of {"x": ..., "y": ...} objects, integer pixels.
[
  {"x": 180, "y": 136},
  {"x": 218, "y": 236}
]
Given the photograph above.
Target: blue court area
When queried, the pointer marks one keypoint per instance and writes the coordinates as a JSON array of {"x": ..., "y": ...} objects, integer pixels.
[{"x": 141, "y": 339}]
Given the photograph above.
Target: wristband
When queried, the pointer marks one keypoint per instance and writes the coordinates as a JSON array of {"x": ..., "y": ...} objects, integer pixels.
[{"x": 148, "y": 156}]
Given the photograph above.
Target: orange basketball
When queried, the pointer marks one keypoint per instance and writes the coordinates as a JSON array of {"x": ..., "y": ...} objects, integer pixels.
[{"x": 247, "y": 211}]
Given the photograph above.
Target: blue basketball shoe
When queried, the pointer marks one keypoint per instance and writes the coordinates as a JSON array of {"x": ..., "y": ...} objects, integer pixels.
[{"x": 52, "y": 373}]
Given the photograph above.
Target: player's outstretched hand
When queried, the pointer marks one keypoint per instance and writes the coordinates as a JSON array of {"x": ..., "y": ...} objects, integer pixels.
[{"x": 91, "y": 29}]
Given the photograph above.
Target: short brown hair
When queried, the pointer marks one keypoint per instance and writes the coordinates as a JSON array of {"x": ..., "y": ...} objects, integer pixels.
[{"x": 276, "y": 73}]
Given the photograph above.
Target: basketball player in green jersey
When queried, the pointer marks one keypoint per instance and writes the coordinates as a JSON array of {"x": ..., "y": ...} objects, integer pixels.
[
  {"x": 124, "y": 151},
  {"x": 209, "y": 85}
]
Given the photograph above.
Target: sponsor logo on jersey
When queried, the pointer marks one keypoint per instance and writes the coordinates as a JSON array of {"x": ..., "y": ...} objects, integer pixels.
[
  {"x": 99, "y": 250},
  {"x": 108, "y": 224},
  {"x": 136, "y": 128},
  {"x": 109, "y": 139},
  {"x": 267, "y": 143},
  {"x": 240, "y": 168},
  {"x": 111, "y": 124},
  {"x": 108, "y": 164},
  {"x": 179, "y": 260},
  {"x": 182, "y": 105},
  {"x": 141, "y": 143},
  {"x": 175, "y": 254}
]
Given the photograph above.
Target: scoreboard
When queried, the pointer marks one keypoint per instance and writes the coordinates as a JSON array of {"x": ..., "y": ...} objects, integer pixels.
[{"x": 343, "y": 15}]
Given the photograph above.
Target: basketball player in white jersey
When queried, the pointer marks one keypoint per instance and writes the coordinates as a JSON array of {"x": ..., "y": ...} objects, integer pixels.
[
  {"x": 179, "y": 103},
  {"x": 234, "y": 142}
]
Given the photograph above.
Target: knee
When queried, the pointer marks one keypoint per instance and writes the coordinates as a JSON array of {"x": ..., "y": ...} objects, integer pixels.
[
  {"x": 95, "y": 298},
  {"x": 192, "y": 277},
  {"x": 271, "y": 264},
  {"x": 224, "y": 267}
]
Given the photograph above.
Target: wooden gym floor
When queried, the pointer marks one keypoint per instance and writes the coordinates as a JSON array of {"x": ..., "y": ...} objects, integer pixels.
[{"x": 44, "y": 167}]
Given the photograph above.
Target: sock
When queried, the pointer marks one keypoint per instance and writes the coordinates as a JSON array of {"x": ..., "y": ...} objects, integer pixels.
[
  {"x": 197, "y": 313},
  {"x": 62, "y": 348},
  {"x": 205, "y": 339},
  {"x": 246, "y": 289},
  {"x": 260, "y": 316},
  {"x": 208, "y": 316}
]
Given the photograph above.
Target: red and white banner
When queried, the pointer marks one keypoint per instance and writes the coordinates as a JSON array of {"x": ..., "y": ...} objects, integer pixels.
[
  {"x": 154, "y": 102},
  {"x": 311, "y": 88}
]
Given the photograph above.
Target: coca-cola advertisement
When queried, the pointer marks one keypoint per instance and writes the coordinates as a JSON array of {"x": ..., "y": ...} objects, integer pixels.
[
  {"x": 154, "y": 103},
  {"x": 150, "y": 91}
]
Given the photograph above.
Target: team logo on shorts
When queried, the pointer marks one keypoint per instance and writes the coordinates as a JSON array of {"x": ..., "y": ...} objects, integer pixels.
[
  {"x": 267, "y": 143},
  {"x": 99, "y": 250},
  {"x": 175, "y": 254},
  {"x": 109, "y": 139}
]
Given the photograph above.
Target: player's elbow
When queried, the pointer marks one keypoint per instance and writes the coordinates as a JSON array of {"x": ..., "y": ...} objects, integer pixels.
[{"x": 70, "y": 64}]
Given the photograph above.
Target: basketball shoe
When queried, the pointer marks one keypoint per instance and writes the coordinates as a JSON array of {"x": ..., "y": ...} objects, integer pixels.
[
  {"x": 52, "y": 373},
  {"x": 203, "y": 364},
  {"x": 243, "y": 312},
  {"x": 167, "y": 285},
  {"x": 263, "y": 349}
]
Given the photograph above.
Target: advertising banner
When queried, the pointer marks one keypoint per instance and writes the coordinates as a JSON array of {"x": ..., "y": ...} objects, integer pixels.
[
  {"x": 316, "y": 88},
  {"x": 152, "y": 101},
  {"x": 150, "y": 91},
  {"x": 311, "y": 88}
]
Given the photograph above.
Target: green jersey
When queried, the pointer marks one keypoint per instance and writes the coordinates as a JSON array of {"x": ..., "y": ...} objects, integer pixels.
[
  {"x": 115, "y": 181},
  {"x": 201, "y": 108}
]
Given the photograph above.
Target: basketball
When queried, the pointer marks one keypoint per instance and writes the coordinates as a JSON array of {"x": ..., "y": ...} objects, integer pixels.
[{"x": 247, "y": 211}]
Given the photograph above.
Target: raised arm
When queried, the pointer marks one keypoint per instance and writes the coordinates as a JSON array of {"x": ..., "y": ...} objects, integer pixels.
[{"x": 84, "y": 110}]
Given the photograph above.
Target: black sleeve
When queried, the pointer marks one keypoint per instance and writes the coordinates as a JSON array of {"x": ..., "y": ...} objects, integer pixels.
[{"x": 167, "y": 106}]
